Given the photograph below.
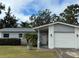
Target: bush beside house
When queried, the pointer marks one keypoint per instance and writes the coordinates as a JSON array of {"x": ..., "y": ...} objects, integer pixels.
[{"x": 10, "y": 41}]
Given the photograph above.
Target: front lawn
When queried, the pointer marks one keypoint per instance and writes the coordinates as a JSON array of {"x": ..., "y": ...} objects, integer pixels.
[{"x": 22, "y": 52}]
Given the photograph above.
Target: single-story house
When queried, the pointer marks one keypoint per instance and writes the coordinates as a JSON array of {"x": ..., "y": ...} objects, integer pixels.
[
  {"x": 58, "y": 35},
  {"x": 15, "y": 33}
]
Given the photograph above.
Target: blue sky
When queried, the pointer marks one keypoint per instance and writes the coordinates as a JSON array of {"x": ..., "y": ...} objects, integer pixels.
[{"x": 22, "y": 9}]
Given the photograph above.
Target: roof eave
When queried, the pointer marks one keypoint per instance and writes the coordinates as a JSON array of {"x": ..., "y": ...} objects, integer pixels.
[{"x": 56, "y": 23}]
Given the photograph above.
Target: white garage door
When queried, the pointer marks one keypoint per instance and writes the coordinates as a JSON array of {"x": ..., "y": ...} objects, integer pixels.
[{"x": 64, "y": 40}]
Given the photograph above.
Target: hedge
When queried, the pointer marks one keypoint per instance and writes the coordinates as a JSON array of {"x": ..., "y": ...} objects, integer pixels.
[{"x": 10, "y": 41}]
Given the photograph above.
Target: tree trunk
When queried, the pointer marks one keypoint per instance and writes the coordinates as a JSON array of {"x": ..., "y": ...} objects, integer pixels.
[{"x": 29, "y": 45}]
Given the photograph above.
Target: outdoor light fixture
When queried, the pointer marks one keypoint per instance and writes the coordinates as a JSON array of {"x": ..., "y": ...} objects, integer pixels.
[
  {"x": 50, "y": 34},
  {"x": 77, "y": 35}
]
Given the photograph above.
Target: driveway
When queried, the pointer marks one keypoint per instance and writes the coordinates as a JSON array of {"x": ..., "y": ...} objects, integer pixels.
[{"x": 67, "y": 53}]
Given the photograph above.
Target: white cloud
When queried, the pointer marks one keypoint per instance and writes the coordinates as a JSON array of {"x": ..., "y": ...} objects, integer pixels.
[
  {"x": 16, "y": 6},
  {"x": 53, "y": 5},
  {"x": 57, "y": 7},
  {"x": 23, "y": 18}
]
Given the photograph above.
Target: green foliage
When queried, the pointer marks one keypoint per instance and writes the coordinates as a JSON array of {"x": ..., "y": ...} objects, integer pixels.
[
  {"x": 10, "y": 41},
  {"x": 55, "y": 18},
  {"x": 25, "y": 25},
  {"x": 2, "y": 7},
  {"x": 43, "y": 17},
  {"x": 31, "y": 38},
  {"x": 9, "y": 21},
  {"x": 71, "y": 13},
  {"x": 1, "y": 23}
]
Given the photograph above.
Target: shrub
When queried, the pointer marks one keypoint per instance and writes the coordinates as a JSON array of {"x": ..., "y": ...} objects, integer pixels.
[
  {"x": 10, "y": 41},
  {"x": 31, "y": 38}
]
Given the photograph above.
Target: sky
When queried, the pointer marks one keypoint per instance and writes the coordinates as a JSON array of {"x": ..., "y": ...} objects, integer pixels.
[{"x": 23, "y": 9}]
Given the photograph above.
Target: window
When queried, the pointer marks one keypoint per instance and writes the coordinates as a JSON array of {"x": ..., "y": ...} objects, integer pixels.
[
  {"x": 20, "y": 35},
  {"x": 6, "y": 35}
]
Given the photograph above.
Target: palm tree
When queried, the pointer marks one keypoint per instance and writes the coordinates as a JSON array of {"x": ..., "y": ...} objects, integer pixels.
[{"x": 31, "y": 39}]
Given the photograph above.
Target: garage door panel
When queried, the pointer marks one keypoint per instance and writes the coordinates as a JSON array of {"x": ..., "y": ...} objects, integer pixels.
[
  {"x": 64, "y": 40},
  {"x": 64, "y": 45}
]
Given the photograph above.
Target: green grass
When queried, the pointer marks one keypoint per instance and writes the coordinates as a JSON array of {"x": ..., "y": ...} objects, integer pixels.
[{"x": 23, "y": 52}]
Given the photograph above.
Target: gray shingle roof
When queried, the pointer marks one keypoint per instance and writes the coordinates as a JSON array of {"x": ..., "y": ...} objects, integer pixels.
[{"x": 17, "y": 30}]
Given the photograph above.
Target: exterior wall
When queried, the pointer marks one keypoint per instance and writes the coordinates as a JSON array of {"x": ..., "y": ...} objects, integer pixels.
[
  {"x": 23, "y": 40},
  {"x": 58, "y": 28},
  {"x": 51, "y": 37},
  {"x": 0, "y": 35},
  {"x": 13, "y": 35},
  {"x": 77, "y": 38}
]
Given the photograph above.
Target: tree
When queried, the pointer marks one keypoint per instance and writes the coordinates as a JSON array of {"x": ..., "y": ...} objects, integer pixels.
[
  {"x": 2, "y": 7},
  {"x": 43, "y": 17},
  {"x": 25, "y": 25},
  {"x": 9, "y": 20},
  {"x": 1, "y": 23},
  {"x": 71, "y": 13},
  {"x": 55, "y": 18}
]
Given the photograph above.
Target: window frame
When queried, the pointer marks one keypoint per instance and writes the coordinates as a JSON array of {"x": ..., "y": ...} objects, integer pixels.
[
  {"x": 20, "y": 35},
  {"x": 6, "y": 35}
]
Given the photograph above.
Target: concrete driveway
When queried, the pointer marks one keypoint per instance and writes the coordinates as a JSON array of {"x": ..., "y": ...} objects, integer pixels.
[{"x": 67, "y": 53}]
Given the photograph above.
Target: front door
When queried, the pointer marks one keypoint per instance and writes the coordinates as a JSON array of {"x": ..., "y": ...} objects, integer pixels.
[{"x": 44, "y": 40}]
